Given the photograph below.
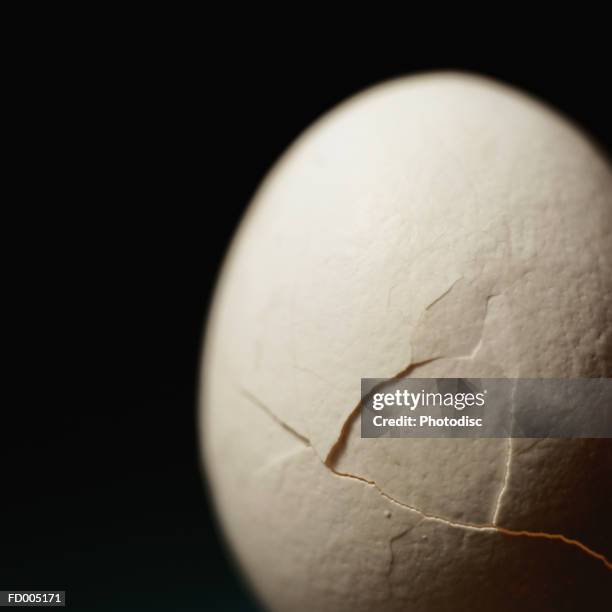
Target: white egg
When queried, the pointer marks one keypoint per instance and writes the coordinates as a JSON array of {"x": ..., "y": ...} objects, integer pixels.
[{"x": 438, "y": 225}]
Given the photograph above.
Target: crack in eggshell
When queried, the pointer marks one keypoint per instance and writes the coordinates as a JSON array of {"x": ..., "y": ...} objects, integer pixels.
[
  {"x": 470, "y": 526},
  {"x": 504, "y": 486},
  {"x": 338, "y": 446}
]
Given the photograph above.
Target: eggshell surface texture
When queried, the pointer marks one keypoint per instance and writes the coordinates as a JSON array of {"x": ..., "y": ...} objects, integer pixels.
[{"x": 441, "y": 225}]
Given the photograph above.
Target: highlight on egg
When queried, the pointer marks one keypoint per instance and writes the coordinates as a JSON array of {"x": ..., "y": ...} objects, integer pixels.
[{"x": 435, "y": 226}]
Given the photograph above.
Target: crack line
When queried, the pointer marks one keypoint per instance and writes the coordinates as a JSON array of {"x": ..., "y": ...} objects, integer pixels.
[
  {"x": 492, "y": 528},
  {"x": 340, "y": 443},
  {"x": 441, "y": 297},
  {"x": 556, "y": 536},
  {"x": 506, "y": 480},
  {"x": 504, "y": 486},
  {"x": 255, "y": 400}
]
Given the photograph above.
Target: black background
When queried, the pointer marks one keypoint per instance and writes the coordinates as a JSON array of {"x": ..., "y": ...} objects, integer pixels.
[{"x": 143, "y": 159}]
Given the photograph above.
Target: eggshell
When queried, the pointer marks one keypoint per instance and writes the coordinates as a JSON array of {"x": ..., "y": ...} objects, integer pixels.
[{"x": 438, "y": 225}]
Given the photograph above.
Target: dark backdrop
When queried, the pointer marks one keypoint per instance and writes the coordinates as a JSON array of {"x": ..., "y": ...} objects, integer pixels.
[{"x": 150, "y": 154}]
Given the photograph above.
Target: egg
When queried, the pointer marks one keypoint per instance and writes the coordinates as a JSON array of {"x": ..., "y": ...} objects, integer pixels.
[{"x": 439, "y": 225}]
